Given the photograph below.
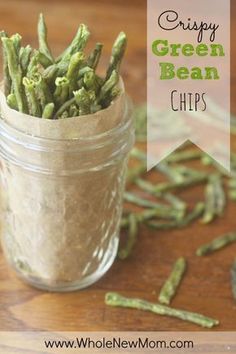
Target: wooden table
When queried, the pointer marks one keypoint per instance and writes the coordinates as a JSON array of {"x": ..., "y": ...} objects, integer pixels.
[{"x": 205, "y": 289}]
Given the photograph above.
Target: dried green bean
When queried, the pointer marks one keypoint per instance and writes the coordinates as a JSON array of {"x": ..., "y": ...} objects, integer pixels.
[
  {"x": 33, "y": 64},
  {"x": 146, "y": 186},
  {"x": 115, "y": 92},
  {"x": 215, "y": 199},
  {"x": 64, "y": 115},
  {"x": 83, "y": 101},
  {"x": 175, "y": 201},
  {"x": 114, "y": 299},
  {"x": 15, "y": 73},
  {"x": 78, "y": 43},
  {"x": 163, "y": 212},
  {"x": 207, "y": 161},
  {"x": 135, "y": 172},
  {"x": 92, "y": 95},
  {"x": 171, "y": 172},
  {"x": 11, "y": 101},
  {"x": 16, "y": 39},
  {"x": 193, "y": 215},
  {"x": 25, "y": 54},
  {"x": 91, "y": 81},
  {"x": 216, "y": 244},
  {"x": 117, "y": 54},
  {"x": 33, "y": 103},
  {"x": 124, "y": 252},
  {"x": 94, "y": 57},
  {"x": 50, "y": 74},
  {"x": 167, "y": 186},
  {"x": 210, "y": 197},
  {"x": 138, "y": 154},
  {"x": 63, "y": 65},
  {"x": 188, "y": 171},
  {"x": 42, "y": 37},
  {"x": 233, "y": 275},
  {"x": 43, "y": 60},
  {"x": 48, "y": 111},
  {"x": 181, "y": 222},
  {"x": 73, "y": 111},
  {"x": 85, "y": 69},
  {"x": 180, "y": 156},
  {"x": 61, "y": 93},
  {"x": 135, "y": 199},
  {"x": 42, "y": 90},
  {"x": 171, "y": 285},
  {"x": 6, "y": 75},
  {"x": 64, "y": 107},
  {"x": 166, "y": 212},
  {"x": 76, "y": 61},
  {"x": 220, "y": 194},
  {"x": 95, "y": 107},
  {"x": 176, "y": 173},
  {"x": 107, "y": 88},
  {"x": 161, "y": 225}
]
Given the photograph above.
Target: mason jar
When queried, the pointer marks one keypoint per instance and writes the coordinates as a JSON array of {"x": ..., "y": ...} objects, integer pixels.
[{"x": 61, "y": 204}]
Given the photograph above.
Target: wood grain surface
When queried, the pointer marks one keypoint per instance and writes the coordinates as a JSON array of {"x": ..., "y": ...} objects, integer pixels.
[{"x": 206, "y": 288}]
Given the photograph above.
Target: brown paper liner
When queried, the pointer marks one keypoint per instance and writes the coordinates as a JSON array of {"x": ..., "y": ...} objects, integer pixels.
[{"x": 59, "y": 229}]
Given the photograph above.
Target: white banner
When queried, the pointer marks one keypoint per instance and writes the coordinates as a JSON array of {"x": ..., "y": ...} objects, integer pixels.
[{"x": 188, "y": 83}]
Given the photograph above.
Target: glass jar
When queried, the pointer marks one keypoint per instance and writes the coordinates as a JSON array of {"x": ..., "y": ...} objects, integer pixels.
[{"x": 61, "y": 204}]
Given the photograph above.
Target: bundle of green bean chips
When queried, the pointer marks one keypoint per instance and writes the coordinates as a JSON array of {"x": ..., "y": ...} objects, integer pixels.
[{"x": 62, "y": 99}]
